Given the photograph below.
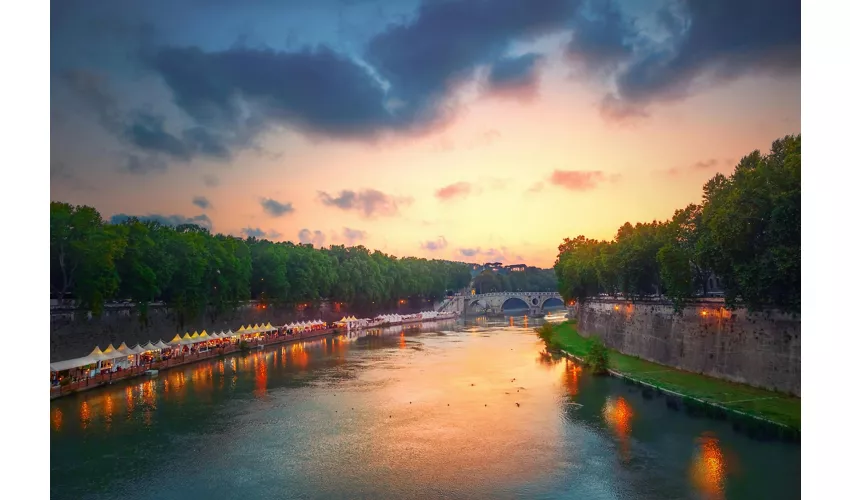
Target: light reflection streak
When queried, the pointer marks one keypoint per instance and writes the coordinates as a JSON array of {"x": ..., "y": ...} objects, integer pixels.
[
  {"x": 571, "y": 376},
  {"x": 618, "y": 414},
  {"x": 108, "y": 411},
  {"x": 128, "y": 396},
  {"x": 85, "y": 414},
  {"x": 709, "y": 468},
  {"x": 57, "y": 419},
  {"x": 260, "y": 378}
]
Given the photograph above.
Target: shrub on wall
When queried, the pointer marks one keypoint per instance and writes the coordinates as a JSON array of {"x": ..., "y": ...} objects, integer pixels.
[{"x": 597, "y": 357}]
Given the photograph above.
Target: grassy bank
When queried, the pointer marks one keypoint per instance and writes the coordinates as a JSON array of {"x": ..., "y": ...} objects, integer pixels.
[{"x": 772, "y": 406}]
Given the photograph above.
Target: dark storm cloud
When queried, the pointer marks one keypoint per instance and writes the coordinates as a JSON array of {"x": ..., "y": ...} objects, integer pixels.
[
  {"x": 714, "y": 41},
  {"x": 318, "y": 90},
  {"x": 324, "y": 92},
  {"x": 276, "y": 208},
  {"x": 94, "y": 92},
  {"x": 145, "y": 132},
  {"x": 512, "y": 72},
  {"x": 369, "y": 202},
  {"x": 201, "y": 202},
  {"x": 601, "y": 37},
  {"x": 446, "y": 41},
  {"x": 167, "y": 220},
  {"x": 398, "y": 77}
]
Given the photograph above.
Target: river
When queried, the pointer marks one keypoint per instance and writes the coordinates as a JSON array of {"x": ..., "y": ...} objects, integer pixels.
[{"x": 444, "y": 411}]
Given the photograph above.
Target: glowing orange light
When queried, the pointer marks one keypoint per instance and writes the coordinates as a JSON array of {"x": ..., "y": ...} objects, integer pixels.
[
  {"x": 85, "y": 414},
  {"x": 708, "y": 470},
  {"x": 616, "y": 308},
  {"x": 57, "y": 419},
  {"x": 618, "y": 414},
  {"x": 704, "y": 313}
]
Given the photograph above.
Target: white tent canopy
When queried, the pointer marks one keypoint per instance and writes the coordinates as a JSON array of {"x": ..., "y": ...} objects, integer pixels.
[
  {"x": 95, "y": 356},
  {"x": 150, "y": 347}
]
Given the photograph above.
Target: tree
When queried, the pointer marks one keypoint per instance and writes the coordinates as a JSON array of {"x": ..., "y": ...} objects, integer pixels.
[
  {"x": 754, "y": 220},
  {"x": 83, "y": 251},
  {"x": 138, "y": 266}
]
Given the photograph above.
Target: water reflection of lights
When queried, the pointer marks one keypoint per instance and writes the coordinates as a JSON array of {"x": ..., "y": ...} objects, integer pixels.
[
  {"x": 260, "y": 378},
  {"x": 128, "y": 396},
  {"x": 402, "y": 344},
  {"x": 108, "y": 411},
  {"x": 57, "y": 419},
  {"x": 618, "y": 414},
  {"x": 85, "y": 414},
  {"x": 299, "y": 355},
  {"x": 571, "y": 375},
  {"x": 709, "y": 470}
]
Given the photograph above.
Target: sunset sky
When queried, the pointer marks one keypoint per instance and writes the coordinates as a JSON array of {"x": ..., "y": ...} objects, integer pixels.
[{"x": 467, "y": 130}]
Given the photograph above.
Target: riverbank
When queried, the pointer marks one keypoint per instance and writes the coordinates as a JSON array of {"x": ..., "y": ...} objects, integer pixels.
[
  {"x": 102, "y": 380},
  {"x": 738, "y": 399}
]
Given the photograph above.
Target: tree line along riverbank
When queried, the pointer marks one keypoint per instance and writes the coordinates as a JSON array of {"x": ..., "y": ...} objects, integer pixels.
[
  {"x": 697, "y": 393},
  {"x": 746, "y": 232},
  {"x": 147, "y": 260}
]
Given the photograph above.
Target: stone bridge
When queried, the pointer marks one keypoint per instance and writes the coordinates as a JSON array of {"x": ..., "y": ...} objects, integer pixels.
[{"x": 495, "y": 302}]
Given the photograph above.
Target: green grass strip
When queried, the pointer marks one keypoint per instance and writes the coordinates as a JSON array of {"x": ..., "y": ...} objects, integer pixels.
[{"x": 769, "y": 405}]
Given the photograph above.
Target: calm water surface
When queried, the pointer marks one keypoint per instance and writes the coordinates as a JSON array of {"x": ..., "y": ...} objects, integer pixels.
[{"x": 445, "y": 411}]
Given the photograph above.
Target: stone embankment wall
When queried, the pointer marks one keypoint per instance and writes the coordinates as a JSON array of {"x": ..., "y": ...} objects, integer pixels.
[
  {"x": 74, "y": 333},
  {"x": 758, "y": 349}
]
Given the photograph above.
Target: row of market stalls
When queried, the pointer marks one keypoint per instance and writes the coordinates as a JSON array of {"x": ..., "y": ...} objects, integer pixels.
[
  {"x": 402, "y": 318},
  {"x": 124, "y": 357},
  {"x": 305, "y": 326}
]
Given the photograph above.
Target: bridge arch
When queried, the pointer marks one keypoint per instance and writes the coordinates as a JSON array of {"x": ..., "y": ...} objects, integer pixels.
[
  {"x": 552, "y": 302},
  {"x": 515, "y": 300}
]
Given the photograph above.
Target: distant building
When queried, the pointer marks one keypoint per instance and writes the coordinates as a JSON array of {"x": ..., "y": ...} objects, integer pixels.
[{"x": 516, "y": 268}]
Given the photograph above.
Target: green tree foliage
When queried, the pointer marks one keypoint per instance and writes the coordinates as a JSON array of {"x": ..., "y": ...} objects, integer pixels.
[
  {"x": 597, "y": 357},
  {"x": 577, "y": 268},
  {"x": 194, "y": 271},
  {"x": 746, "y": 231},
  {"x": 753, "y": 219},
  {"x": 83, "y": 252}
]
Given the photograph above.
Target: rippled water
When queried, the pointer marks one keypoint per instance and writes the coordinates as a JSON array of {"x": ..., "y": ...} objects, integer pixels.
[{"x": 447, "y": 411}]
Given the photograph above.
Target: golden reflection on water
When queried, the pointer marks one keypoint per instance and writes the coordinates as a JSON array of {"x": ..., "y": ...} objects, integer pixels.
[
  {"x": 57, "y": 419},
  {"x": 149, "y": 393},
  {"x": 618, "y": 414},
  {"x": 85, "y": 414},
  {"x": 401, "y": 343},
  {"x": 299, "y": 355},
  {"x": 128, "y": 397},
  {"x": 260, "y": 377},
  {"x": 709, "y": 468},
  {"x": 109, "y": 407},
  {"x": 475, "y": 405},
  {"x": 572, "y": 371}
]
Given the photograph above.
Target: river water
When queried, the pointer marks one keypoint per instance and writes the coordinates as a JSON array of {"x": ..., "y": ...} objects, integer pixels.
[{"x": 441, "y": 411}]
